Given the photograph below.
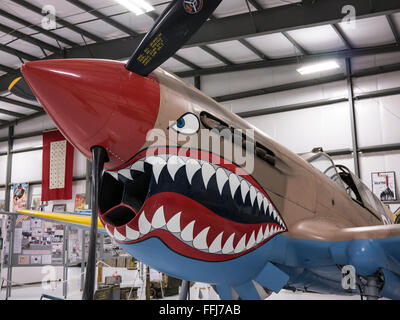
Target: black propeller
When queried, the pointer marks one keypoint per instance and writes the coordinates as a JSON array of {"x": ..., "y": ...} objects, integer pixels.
[
  {"x": 21, "y": 89},
  {"x": 176, "y": 25},
  {"x": 99, "y": 157}
]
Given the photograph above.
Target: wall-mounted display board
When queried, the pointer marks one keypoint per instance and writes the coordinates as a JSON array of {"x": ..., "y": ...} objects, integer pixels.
[
  {"x": 36, "y": 242},
  {"x": 384, "y": 185}
]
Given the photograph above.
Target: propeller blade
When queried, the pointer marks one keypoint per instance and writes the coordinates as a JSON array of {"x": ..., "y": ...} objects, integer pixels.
[
  {"x": 99, "y": 157},
  {"x": 171, "y": 31},
  {"x": 21, "y": 89}
]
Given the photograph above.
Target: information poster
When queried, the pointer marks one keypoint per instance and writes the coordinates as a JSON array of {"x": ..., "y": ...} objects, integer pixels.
[
  {"x": 20, "y": 196},
  {"x": 384, "y": 185}
]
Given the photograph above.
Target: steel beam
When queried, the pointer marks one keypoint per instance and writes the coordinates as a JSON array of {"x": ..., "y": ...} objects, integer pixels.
[
  {"x": 26, "y": 37},
  {"x": 255, "y": 4},
  {"x": 20, "y": 104},
  {"x": 279, "y": 88},
  {"x": 378, "y": 94},
  {"x": 288, "y": 17},
  {"x": 353, "y": 121},
  {"x": 295, "y": 44},
  {"x": 292, "y": 107},
  {"x": 103, "y": 17},
  {"x": 342, "y": 54},
  {"x": 393, "y": 28},
  {"x": 216, "y": 55},
  {"x": 61, "y": 21},
  {"x": 341, "y": 35},
  {"x": 11, "y": 113},
  {"x": 18, "y": 53},
  {"x": 37, "y": 28},
  {"x": 253, "y": 49},
  {"x": 23, "y": 119}
]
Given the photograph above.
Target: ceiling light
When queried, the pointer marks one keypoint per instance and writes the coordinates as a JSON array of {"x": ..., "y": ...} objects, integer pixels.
[
  {"x": 314, "y": 68},
  {"x": 136, "y": 6}
]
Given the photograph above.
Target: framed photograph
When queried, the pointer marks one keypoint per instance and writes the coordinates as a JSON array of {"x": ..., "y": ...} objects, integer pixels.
[
  {"x": 80, "y": 202},
  {"x": 384, "y": 185},
  {"x": 36, "y": 202},
  {"x": 59, "y": 207}
]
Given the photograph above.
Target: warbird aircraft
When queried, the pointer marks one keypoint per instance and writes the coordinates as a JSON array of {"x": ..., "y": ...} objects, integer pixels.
[{"x": 191, "y": 212}]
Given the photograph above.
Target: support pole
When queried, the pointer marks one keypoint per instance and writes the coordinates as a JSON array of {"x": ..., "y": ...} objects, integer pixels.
[
  {"x": 147, "y": 283},
  {"x": 184, "y": 293},
  {"x": 65, "y": 261},
  {"x": 99, "y": 157},
  {"x": 7, "y": 208},
  {"x": 353, "y": 121}
]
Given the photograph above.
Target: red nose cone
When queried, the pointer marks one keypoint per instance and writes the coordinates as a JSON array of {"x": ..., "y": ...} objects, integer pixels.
[{"x": 96, "y": 103}]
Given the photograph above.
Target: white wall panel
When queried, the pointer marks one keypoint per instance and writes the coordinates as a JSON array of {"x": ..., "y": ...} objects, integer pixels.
[
  {"x": 377, "y": 82},
  {"x": 3, "y": 169},
  {"x": 302, "y": 130},
  {"x": 3, "y": 132},
  {"x": 365, "y": 62},
  {"x": 3, "y": 146},
  {"x": 380, "y": 162},
  {"x": 31, "y": 142},
  {"x": 39, "y": 124},
  {"x": 327, "y": 91},
  {"x": 26, "y": 166},
  {"x": 79, "y": 164},
  {"x": 227, "y": 83},
  {"x": 378, "y": 121}
]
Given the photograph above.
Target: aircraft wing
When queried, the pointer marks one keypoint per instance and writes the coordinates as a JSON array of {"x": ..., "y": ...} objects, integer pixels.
[
  {"x": 75, "y": 220},
  {"x": 315, "y": 243}
]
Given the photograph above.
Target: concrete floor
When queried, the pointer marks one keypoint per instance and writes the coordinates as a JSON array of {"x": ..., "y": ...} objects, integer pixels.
[{"x": 34, "y": 292}]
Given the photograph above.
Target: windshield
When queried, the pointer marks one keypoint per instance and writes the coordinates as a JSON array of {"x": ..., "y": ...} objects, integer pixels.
[
  {"x": 368, "y": 197},
  {"x": 324, "y": 164}
]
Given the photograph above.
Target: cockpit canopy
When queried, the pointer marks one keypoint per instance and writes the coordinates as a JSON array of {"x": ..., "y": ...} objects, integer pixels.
[{"x": 346, "y": 180}]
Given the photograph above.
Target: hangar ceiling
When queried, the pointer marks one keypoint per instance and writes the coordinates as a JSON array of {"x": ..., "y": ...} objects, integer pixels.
[{"x": 241, "y": 35}]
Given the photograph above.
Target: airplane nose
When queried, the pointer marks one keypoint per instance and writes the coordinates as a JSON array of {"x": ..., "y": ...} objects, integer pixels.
[{"x": 96, "y": 103}]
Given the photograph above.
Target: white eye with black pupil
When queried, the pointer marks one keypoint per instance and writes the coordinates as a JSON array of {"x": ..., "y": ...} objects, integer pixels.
[{"x": 187, "y": 124}]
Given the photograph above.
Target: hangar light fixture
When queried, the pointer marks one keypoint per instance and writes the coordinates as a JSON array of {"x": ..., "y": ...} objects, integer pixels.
[
  {"x": 314, "y": 68},
  {"x": 136, "y": 6}
]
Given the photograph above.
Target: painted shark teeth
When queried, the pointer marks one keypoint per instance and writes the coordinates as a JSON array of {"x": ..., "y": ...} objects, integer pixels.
[
  {"x": 192, "y": 166},
  {"x": 158, "y": 165},
  {"x": 238, "y": 185},
  {"x": 241, "y": 246},
  {"x": 187, "y": 232},
  {"x": 158, "y": 219},
  {"x": 207, "y": 171},
  {"x": 132, "y": 234},
  {"x": 174, "y": 224},
  {"x": 251, "y": 242},
  {"x": 144, "y": 224},
  {"x": 119, "y": 236},
  {"x": 228, "y": 246},
  {"x": 126, "y": 173},
  {"x": 200, "y": 242},
  {"x": 234, "y": 184},
  {"x": 216, "y": 245},
  {"x": 222, "y": 178},
  {"x": 174, "y": 164}
]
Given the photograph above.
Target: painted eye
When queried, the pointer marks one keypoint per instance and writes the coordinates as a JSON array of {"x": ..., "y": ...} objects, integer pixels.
[{"x": 187, "y": 124}]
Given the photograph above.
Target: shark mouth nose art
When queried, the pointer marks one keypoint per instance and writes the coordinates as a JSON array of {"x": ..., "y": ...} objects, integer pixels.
[{"x": 203, "y": 210}]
